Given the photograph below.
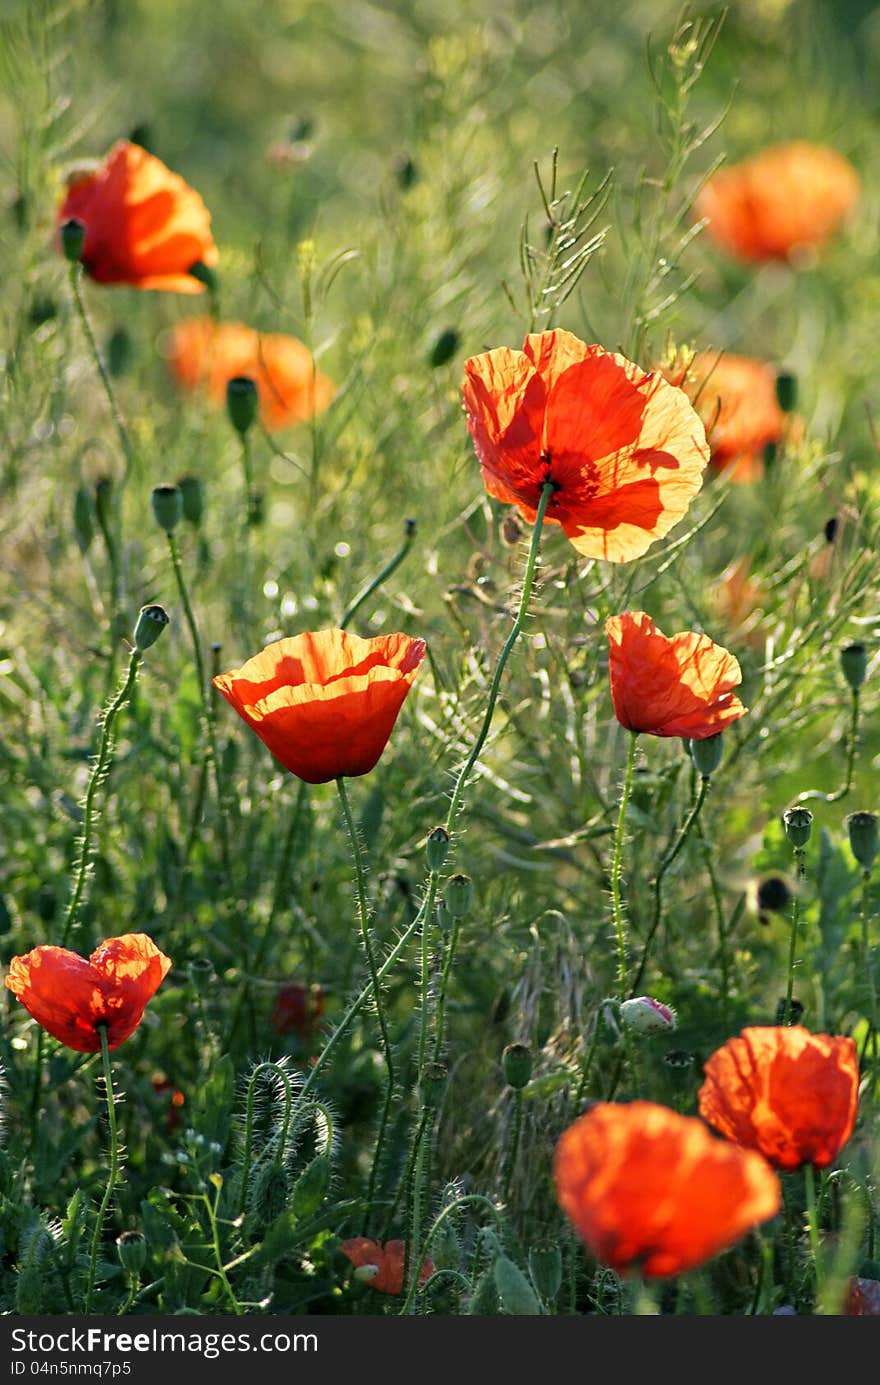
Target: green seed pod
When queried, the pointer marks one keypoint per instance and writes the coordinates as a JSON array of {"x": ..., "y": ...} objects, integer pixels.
[
  {"x": 311, "y": 1187},
  {"x": 443, "y": 347},
  {"x": 437, "y": 848},
  {"x": 150, "y": 623},
  {"x": 119, "y": 352},
  {"x": 545, "y": 1268},
  {"x": 798, "y": 826},
  {"x": 83, "y": 527},
  {"x": 854, "y": 663},
  {"x": 459, "y": 895},
  {"x": 864, "y": 838},
  {"x": 192, "y": 495},
  {"x": 786, "y": 391},
  {"x": 268, "y": 1193},
  {"x": 516, "y": 1062},
  {"x": 205, "y": 276},
  {"x": 242, "y": 402},
  {"x": 167, "y": 504},
  {"x": 706, "y": 754},
  {"x": 516, "y": 1293},
  {"x": 73, "y": 238},
  {"x": 131, "y": 1247}
]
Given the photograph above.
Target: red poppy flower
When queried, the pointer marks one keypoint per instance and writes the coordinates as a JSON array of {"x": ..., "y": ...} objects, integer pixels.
[
  {"x": 325, "y": 703},
  {"x": 785, "y": 1092},
  {"x": 205, "y": 354},
  {"x": 651, "y": 1190},
  {"x": 624, "y": 450},
  {"x": 176, "y": 1100},
  {"x": 786, "y": 197},
  {"x": 72, "y": 998},
  {"x": 736, "y": 398},
  {"x": 387, "y": 1260},
  {"x": 679, "y": 685},
  {"x": 297, "y": 1009},
  {"x": 144, "y": 225},
  {"x": 862, "y": 1298}
]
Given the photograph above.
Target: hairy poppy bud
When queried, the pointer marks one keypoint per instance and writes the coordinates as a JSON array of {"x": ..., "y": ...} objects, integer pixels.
[
  {"x": 864, "y": 839},
  {"x": 437, "y": 848},
  {"x": 706, "y": 754},
  {"x": 645, "y": 1015},
  {"x": 192, "y": 496},
  {"x": 167, "y": 505},
  {"x": 545, "y": 1268},
  {"x": 798, "y": 826},
  {"x": 268, "y": 1193},
  {"x": 516, "y": 1061},
  {"x": 432, "y": 1083},
  {"x": 150, "y": 623},
  {"x": 786, "y": 391},
  {"x": 311, "y": 1187},
  {"x": 444, "y": 347},
  {"x": 459, "y": 895},
  {"x": 516, "y": 1293},
  {"x": 854, "y": 663},
  {"x": 73, "y": 238},
  {"x": 82, "y": 519},
  {"x": 205, "y": 276},
  {"x": 131, "y": 1247},
  {"x": 242, "y": 402}
]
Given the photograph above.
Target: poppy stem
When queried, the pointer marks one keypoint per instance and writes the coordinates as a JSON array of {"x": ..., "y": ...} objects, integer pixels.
[
  {"x": 99, "y": 770},
  {"x": 114, "y": 1168},
  {"x": 616, "y": 905},
  {"x": 868, "y": 969},
  {"x": 366, "y": 592},
  {"x": 813, "y": 1230},
  {"x": 121, "y": 430},
  {"x": 210, "y": 725},
  {"x": 440, "y": 1012},
  {"x": 513, "y": 1148},
  {"x": 811, "y": 794},
  {"x": 792, "y": 947},
  {"x": 363, "y": 917},
  {"x": 528, "y": 581}
]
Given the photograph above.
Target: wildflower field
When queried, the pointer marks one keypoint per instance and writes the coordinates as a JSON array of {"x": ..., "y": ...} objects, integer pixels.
[{"x": 438, "y": 616}]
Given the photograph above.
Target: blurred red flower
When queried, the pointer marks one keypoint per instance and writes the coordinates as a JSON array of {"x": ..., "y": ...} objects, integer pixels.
[
  {"x": 205, "y": 354},
  {"x": 72, "y": 998},
  {"x": 651, "y": 1190},
  {"x": 735, "y": 397},
  {"x": 785, "y": 1092},
  {"x": 325, "y": 703},
  {"x": 176, "y": 1100},
  {"x": 624, "y": 449},
  {"x": 782, "y": 199},
  {"x": 862, "y": 1298},
  {"x": 144, "y": 225},
  {"x": 679, "y": 685},
  {"x": 297, "y": 1009},
  {"x": 388, "y": 1261}
]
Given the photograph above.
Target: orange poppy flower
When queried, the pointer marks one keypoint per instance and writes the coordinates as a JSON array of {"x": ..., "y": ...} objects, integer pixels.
[
  {"x": 204, "y": 354},
  {"x": 785, "y": 1092},
  {"x": 679, "y": 685},
  {"x": 325, "y": 703},
  {"x": 736, "y": 398},
  {"x": 648, "y": 1189},
  {"x": 625, "y": 450},
  {"x": 787, "y": 197},
  {"x": 144, "y": 225},
  {"x": 72, "y": 998},
  {"x": 387, "y": 1260}
]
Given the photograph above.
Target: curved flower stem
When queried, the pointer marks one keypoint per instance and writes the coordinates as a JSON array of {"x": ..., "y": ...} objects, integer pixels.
[
  {"x": 391, "y": 566},
  {"x": 812, "y": 794},
  {"x": 121, "y": 430},
  {"x": 277, "y": 1072},
  {"x": 616, "y": 906},
  {"x": 792, "y": 947},
  {"x": 666, "y": 862},
  {"x": 363, "y": 917},
  {"x": 114, "y": 1168},
  {"x": 210, "y": 725},
  {"x": 466, "y": 1200},
  {"x": 99, "y": 769},
  {"x": 528, "y": 581}
]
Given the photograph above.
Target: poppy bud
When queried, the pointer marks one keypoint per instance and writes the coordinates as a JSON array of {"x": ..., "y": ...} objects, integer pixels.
[
  {"x": 432, "y": 1083},
  {"x": 864, "y": 839},
  {"x": 484, "y": 1299},
  {"x": 205, "y": 276},
  {"x": 365, "y": 1274},
  {"x": 131, "y": 1247},
  {"x": 444, "y": 347},
  {"x": 201, "y": 974},
  {"x": 798, "y": 826},
  {"x": 437, "y": 848},
  {"x": 242, "y": 402},
  {"x": 545, "y": 1268},
  {"x": 150, "y": 623},
  {"x": 516, "y": 1293},
  {"x": 103, "y": 494},
  {"x": 73, "y": 238},
  {"x": 795, "y": 1011},
  {"x": 459, "y": 895},
  {"x": 854, "y": 662},
  {"x": 119, "y": 352},
  {"x": 706, "y": 754},
  {"x": 771, "y": 451},
  {"x": 269, "y": 1192},
  {"x": 82, "y": 519},
  {"x": 786, "y": 391},
  {"x": 444, "y": 918},
  {"x": 167, "y": 505},
  {"x": 311, "y": 1187},
  {"x": 516, "y": 1061},
  {"x": 645, "y": 1015},
  {"x": 406, "y": 172},
  {"x": 192, "y": 495},
  {"x": 773, "y": 893},
  {"x": 830, "y": 529}
]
